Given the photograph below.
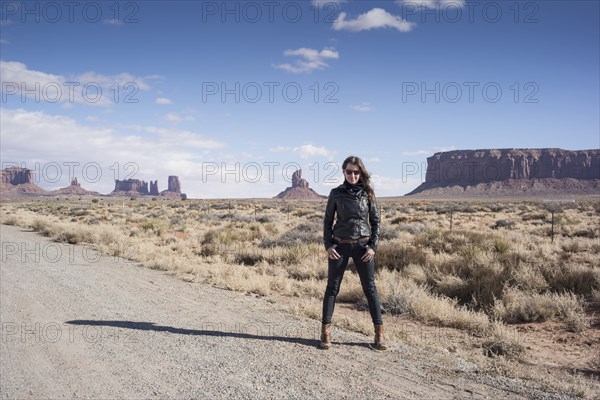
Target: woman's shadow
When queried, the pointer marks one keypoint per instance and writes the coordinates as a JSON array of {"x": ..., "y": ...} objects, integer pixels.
[{"x": 151, "y": 326}]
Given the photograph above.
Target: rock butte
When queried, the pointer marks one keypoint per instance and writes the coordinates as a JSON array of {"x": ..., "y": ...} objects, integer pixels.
[
  {"x": 511, "y": 172},
  {"x": 299, "y": 189}
]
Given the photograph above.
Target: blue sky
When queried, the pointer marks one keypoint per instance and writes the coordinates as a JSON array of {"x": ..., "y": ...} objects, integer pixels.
[{"x": 233, "y": 96}]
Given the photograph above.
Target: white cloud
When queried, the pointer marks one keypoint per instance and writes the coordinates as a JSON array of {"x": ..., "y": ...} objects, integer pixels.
[
  {"x": 113, "y": 22},
  {"x": 431, "y": 4},
  {"x": 305, "y": 151},
  {"x": 75, "y": 89},
  {"x": 4, "y": 41},
  {"x": 12, "y": 71},
  {"x": 177, "y": 118},
  {"x": 162, "y": 101},
  {"x": 179, "y": 138},
  {"x": 92, "y": 118},
  {"x": 362, "y": 107},
  {"x": 309, "y": 59},
  {"x": 373, "y": 19},
  {"x": 309, "y": 151},
  {"x": 280, "y": 149}
]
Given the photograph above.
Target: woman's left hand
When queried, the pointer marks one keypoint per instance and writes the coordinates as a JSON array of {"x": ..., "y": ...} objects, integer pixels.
[{"x": 369, "y": 254}]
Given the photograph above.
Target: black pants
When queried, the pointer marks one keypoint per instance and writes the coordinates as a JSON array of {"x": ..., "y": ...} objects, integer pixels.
[{"x": 366, "y": 272}]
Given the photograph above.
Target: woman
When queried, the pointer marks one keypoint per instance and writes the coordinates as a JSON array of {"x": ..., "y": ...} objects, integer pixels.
[{"x": 355, "y": 234}]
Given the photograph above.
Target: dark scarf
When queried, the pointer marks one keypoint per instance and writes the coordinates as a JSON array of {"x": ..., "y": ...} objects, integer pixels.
[{"x": 355, "y": 190}]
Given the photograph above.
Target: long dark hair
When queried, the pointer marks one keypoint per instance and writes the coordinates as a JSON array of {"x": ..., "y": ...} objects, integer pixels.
[{"x": 365, "y": 177}]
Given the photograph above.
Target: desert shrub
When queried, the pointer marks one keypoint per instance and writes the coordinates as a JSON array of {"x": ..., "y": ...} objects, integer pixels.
[
  {"x": 415, "y": 273},
  {"x": 571, "y": 247},
  {"x": 456, "y": 241},
  {"x": 42, "y": 226},
  {"x": 553, "y": 207},
  {"x": 579, "y": 279},
  {"x": 402, "y": 297},
  {"x": 10, "y": 220},
  {"x": 78, "y": 212},
  {"x": 499, "y": 346},
  {"x": 446, "y": 209},
  {"x": 158, "y": 214},
  {"x": 387, "y": 233},
  {"x": 514, "y": 258},
  {"x": 504, "y": 223},
  {"x": 248, "y": 258},
  {"x": 413, "y": 228},
  {"x": 243, "y": 218},
  {"x": 528, "y": 277},
  {"x": 306, "y": 271},
  {"x": 263, "y": 219},
  {"x": 398, "y": 220},
  {"x": 595, "y": 297},
  {"x": 233, "y": 233},
  {"x": 207, "y": 249},
  {"x": 169, "y": 240},
  {"x": 452, "y": 286},
  {"x": 533, "y": 217},
  {"x": 469, "y": 253},
  {"x": 519, "y": 306},
  {"x": 500, "y": 246},
  {"x": 301, "y": 212},
  {"x": 426, "y": 238},
  {"x": 395, "y": 256},
  {"x": 486, "y": 282},
  {"x": 570, "y": 309},
  {"x": 308, "y": 232},
  {"x": 152, "y": 227},
  {"x": 586, "y": 233},
  {"x": 294, "y": 254},
  {"x": 221, "y": 206},
  {"x": 497, "y": 207}
]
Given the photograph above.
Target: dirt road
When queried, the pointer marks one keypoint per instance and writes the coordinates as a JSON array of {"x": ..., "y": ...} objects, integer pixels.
[{"x": 77, "y": 325}]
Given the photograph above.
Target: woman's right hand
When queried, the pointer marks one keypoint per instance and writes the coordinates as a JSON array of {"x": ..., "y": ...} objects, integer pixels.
[{"x": 332, "y": 253}]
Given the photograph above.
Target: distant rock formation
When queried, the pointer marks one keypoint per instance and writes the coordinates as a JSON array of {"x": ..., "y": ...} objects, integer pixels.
[
  {"x": 512, "y": 172},
  {"x": 154, "y": 188},
  {"x": 174, "y": 185},
  {"x": 17, "y": 175},
  {"x": 299, "y": 189},
  {"x": 18, "y": 180},
  {"x": 130, "y": 187},
  {"x": 74, "y": 189},
  {"x": 136, "y": 187},
  {"x": 173, "y": 188}
]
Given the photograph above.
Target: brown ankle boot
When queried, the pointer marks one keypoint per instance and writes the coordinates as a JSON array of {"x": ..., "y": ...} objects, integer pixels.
[
  {"x": 325, "y": 336},
  {"x": 379, "y": 339}
]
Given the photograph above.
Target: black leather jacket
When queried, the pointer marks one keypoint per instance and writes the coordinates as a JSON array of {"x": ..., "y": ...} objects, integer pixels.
[{"x": 356, "y": 216}]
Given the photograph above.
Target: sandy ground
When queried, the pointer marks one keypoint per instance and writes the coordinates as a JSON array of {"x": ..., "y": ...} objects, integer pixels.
[{"x": 79, "y": 325}]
